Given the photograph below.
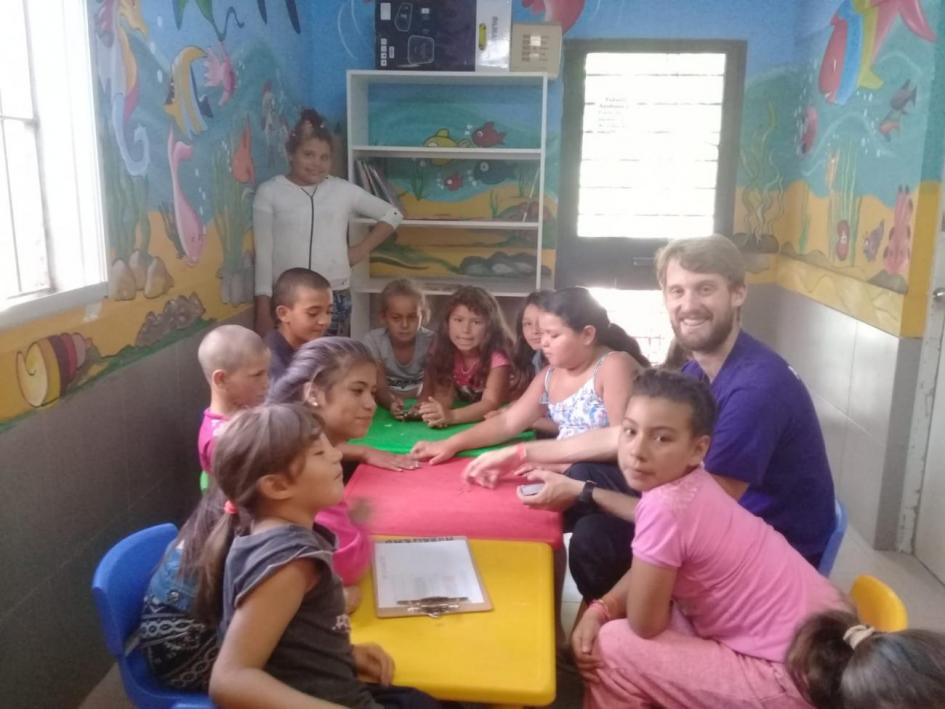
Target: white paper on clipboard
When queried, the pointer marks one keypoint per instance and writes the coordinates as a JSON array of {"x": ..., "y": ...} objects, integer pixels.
[{"x": 408, "y": 570}]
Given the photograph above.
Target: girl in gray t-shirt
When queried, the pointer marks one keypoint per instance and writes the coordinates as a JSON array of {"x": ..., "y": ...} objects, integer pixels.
[
  {"x": 401, "y": 346},
  {"x": 285, "y": 629}
]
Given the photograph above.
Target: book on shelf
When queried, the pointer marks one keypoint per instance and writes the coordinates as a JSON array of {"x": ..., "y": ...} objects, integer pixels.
[
  {"x": 372, "y": 178},
  {"x": 360, "y": 176},
  {"x": 388, "y": 193}
]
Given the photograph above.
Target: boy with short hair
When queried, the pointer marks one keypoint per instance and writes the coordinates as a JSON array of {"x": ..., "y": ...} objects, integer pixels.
[
  {"x": 301, "y": 309},
  {"x": 235, "y": 361}
]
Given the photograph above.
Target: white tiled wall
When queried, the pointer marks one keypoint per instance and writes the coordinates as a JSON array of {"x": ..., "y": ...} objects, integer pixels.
[{"x": 862, "y": 381}]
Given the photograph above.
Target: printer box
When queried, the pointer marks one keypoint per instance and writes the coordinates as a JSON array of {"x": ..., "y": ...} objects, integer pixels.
[{"x": 443, "y": 35}]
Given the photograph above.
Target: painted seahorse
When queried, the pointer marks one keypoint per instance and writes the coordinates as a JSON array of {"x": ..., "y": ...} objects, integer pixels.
[
  {"x": 190, "y": 229},
  {"x": 118, "y": 75}
]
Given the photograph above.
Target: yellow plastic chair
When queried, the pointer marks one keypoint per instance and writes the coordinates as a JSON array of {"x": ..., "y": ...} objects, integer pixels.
[{"x": 878, "y": 605}]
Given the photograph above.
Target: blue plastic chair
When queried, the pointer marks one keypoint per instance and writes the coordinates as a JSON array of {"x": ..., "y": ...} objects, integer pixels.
[
  {"x": 836, "y": 537},
  {"x": 118, "y": 588}
]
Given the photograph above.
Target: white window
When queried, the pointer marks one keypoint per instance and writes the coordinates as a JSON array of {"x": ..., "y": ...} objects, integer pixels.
[
  {"x": 643, "y": 315},
  {"x": 52, "y": 241},
  {"x": 650, "y": 144},
  {"x": 649, "y": 152}
]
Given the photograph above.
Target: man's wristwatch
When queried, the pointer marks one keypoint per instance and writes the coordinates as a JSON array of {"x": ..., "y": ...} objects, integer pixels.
[{"x": 587, "y": 492}]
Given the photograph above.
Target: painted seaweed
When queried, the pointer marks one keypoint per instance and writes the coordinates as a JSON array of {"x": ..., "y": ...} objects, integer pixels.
[
  {"x": 763, "y": 191},
  {"x": 844, "y": 208},
  {"x": 232, "y": 217}
]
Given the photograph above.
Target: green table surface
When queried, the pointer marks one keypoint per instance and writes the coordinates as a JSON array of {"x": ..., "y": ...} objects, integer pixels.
[{"x": 395, "y": 436}]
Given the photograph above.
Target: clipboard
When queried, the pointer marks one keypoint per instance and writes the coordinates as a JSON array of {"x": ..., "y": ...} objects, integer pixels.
[{"x": 432, "y": 576}]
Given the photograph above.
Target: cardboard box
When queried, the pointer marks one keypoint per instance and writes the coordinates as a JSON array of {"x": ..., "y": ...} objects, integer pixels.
[{"x": 444, "y": 35}]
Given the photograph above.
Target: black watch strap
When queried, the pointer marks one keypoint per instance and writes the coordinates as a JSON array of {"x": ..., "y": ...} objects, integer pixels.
[{"x": 587, "y": 492}]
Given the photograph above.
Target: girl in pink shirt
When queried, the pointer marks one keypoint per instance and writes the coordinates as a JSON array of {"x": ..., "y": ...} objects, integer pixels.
[
  {"x": 469, "y": 361},
  {"x": 706, "y": 614}
]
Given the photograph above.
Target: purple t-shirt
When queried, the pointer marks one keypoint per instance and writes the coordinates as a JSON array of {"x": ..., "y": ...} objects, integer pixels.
[
  {"x": 767, "y": 434},
  {"x": 281, "y": 358}
]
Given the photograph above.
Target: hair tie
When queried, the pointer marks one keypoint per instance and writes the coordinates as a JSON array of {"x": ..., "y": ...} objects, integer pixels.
[
  {"x": 230, "y": 508},
  {"x": 857, "y": 634}
]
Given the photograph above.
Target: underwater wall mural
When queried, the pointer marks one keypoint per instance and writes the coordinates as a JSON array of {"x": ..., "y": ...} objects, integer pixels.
[
  {"x": 193, "y": 102},
  {"x": 491, "y": 190},
  {"x": 838, "y": 188},
  {"x": 838, "y": 182}
]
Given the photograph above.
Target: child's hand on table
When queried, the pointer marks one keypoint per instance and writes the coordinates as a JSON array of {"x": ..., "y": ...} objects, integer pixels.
[
  {"x": 434, "y": 414},
  {"x": 432, "y": 451},
  {"x": 391, "y": 461},
  {"x": 397, "y": 408},
  {"x": 373, "y": 664},
  {"x": 486, "y": 469}
]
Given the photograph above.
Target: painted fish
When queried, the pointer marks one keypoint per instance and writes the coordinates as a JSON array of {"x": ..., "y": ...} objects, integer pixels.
[
  {"x": 442, "y": 139},
  {"x": 190, "y": 229},
  {"x": 241, "y": 165},
  {"x": 563, "y": 12},
  {"x": 808, "y": 130},
  {"x": 453, "y": 182},
  {"x": 889, "y": 124},
  {"x": 182, "y": 103},
  {"x": 903, "y": 97},
  {"x": 859, "y": 31},
  {"x": 492, "y": 173},
  {"x": 872, "y": 241},
  {"x": 219, "y": 72},
  {"x": 486, "y": 136}
]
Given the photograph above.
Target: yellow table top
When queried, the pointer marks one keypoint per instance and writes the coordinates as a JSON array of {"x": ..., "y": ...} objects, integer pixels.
[{"x": 502, "y": 656}]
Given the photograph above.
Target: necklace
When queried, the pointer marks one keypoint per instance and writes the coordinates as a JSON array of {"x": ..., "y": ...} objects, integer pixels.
[{"x": 463, "y": 369}]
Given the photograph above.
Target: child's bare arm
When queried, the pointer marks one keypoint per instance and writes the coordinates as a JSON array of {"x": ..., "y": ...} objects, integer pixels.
[
  {"x": 616, "y": 383},
  {"x": 383, "y": 396},
  {"x": 373, "y": 456},
  {"x": 501, "y": 427},
  {"x": 649, "y": 598},
  {"x": 238, "y": 679}
]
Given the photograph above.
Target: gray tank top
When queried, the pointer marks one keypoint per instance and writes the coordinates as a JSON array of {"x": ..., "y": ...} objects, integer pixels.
[{"x": 314, "y": 653}]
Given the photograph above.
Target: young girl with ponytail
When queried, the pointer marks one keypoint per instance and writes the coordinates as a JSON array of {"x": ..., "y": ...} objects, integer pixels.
[
  {"x": 301, "y": 220},
  {"x": 836, "y": 661},
  {"x": 285, "y": 630}
]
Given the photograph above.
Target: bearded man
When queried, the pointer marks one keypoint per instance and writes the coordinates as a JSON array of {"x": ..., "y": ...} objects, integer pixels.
[{"x": 767, "y": 447}]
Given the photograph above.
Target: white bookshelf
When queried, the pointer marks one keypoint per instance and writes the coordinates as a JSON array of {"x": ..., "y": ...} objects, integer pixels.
[
  {"x": 360, "y": 147},
  {"x": 474, "y": 224},
  {"x": 430, "y": 153}
]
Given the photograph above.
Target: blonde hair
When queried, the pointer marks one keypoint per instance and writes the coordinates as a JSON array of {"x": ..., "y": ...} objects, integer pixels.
[
  {"x": 228, "y": 347},
  {"x": 708, "y": 254}
]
